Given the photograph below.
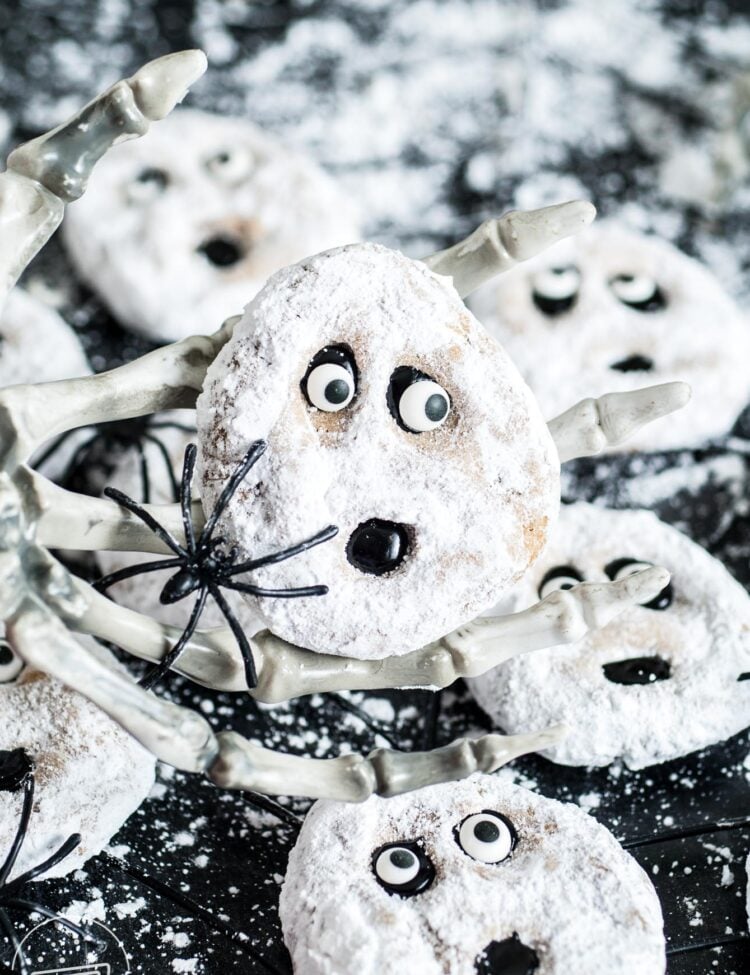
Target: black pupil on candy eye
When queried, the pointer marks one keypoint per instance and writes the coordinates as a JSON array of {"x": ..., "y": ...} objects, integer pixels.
[
  {"x": 6, "y": 655},
  {"x": 402, "y": 859},
  {"x": 486, "y": 832},
  {"x": 153, "y": 175},
  {"x": 436, "y": 407},
  {"x": 337, "y": 391}
]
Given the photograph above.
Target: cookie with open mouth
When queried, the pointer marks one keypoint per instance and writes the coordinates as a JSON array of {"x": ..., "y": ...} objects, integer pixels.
[{"x": 662, "y": 680}]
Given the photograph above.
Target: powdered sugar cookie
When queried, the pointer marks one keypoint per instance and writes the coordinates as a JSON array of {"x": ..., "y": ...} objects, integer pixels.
[
  {"x": 473, "y": 876},
  {"x": 390, "y": 413},
  {"x": 178, "y": 230},
  {"x": 660, "y": 681},
  {"x": 611, "y": 310},
  {"x": 90, "y": 774}
]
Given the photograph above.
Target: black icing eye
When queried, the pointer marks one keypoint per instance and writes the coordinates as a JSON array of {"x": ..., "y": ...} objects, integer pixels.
[
  {"x": 487, "y": 836},
  {"x": 560, "y": 577},
  {"x": 638, "y": 291},
  {"x": 10, "y": 664},
  {"x": 555, "y": 290},
  {"x": 621, "y": 568},
  {"x": 148, "y": 184},
  {"x": 330, "y": 382},
  {"x": 417, "y": 403},
  {"x": 230, "y": 165},
  {"x": 403, "y": 868}
]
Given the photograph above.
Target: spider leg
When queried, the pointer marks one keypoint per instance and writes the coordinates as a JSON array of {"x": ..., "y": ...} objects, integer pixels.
[
  {"x": 186, "y": 495},
  {"x": 23, "y": 825},
  {"x": 147, "y": 518},
  {"x": 15, "y": 944},
  {"x": 252, "y": 590},
  {"x": 57, "y": 857},
  {"x": 52, "y": 448},
  {"x": 274, "y": 808},
  {"x": 145, "y": 479},
  {"x": 26, "y": 905},
  {"x": 174, "y": 486},
  {"x": 134, "y": 570},
  {"x": 171, "y": 658},
  {"x": 362, "y": 715},
  {"x": 257, "y": 449},
  {"x": 251, "y": 675},
  {"x": 287, "y": 553}
]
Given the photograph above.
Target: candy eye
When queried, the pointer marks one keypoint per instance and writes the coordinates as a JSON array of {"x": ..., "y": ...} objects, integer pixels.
[
  {"x": 148, "y": 185},
  {"x": 230, "y": 165},
  {"x": 417, "y": 403},
  {"x": 10, "y": 664},
  {"x": 638, "y": 291},
  {"x": 560, "y": 577},
  {"x": 331, "y": 379},
  {"x": 555, "y": 290},
  {"x": 403, "y": 868},
  {"x": 621, "y": 568},
  {"x": 487, "y": 836}
]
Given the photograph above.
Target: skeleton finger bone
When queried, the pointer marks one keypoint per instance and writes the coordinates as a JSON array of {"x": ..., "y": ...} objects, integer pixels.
[
  {"x": 497, "y": 245},
  {"x": 593, "y": 424},
  {"x": 352, "y": 778}
]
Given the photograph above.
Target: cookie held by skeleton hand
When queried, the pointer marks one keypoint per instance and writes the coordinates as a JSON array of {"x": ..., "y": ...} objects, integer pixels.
[
  {"x": 479, "y": 876},
  {"x": 660, "y": 681}
]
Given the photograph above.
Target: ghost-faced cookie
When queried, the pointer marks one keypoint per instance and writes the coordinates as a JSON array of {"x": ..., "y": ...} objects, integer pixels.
[
  {"x": 478, "y": 876},
  {"x": 391, "y": 414},
  {"x": 90, "y": 775},
  {"x": 178, "y": 230},
  {"x": 610, "y": 310},
  {"x": 660, "y": 681}
]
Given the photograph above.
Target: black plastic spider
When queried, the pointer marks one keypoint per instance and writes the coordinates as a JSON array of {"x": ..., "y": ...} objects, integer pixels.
[
  {"x": 16, "y": 772},
  {"x": 204, "y": 566},
  {"x": 103, "y": 443}
]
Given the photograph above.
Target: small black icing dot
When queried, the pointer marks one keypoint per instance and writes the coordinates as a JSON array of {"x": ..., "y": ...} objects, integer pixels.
[
  {"x": 221, "y": 251},
  {"x": 486, "y": 831},
  {"x": 337, "y": 391},
  {"x": 633, "y": 363},
  {"x": 15, "y": 768},
  {"x": 508, "y": 957},
  {"x": 377, "y": 546},
  {"x": 638, "y": 670},
  {"x": 436, "y": 407}
]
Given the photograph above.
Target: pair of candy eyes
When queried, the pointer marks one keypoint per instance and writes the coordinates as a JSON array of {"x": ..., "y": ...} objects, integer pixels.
[
  {"x": 405, "y": 869},
  {"x": 228, "y": 166},
  {"x": 415, "y": 400},
  {"x": 567, "y": 576},
  {"x": 555, "y": 290}
]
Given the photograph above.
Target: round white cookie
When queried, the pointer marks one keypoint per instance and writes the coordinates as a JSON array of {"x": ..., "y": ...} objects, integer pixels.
[
  {"x": 177, "y": 230},
  {"x": 610, "y": 310},
  {"x": 90, "y": 775},
  {"x": 472, "y": 876},
  {"x": 658, "y": 682},
  {"x": 162, "y": 451},
  {"x": 391, "y": 414}
]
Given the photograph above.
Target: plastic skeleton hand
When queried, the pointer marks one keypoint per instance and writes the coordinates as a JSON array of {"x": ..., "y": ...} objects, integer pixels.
[{"x": 41, "y": 603}]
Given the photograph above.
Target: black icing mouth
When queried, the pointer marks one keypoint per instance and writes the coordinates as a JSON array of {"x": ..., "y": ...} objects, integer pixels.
[
  {"x": 15, "y": 768},
  {"x": 638, "y": 670},
  {"x": 376, "y": 546},
  {"x": 744, "y": 676},
  {"x": 633, "y": 363},
  {"x": 222, "y": 251},
  {"x": 508, "y": 957}
]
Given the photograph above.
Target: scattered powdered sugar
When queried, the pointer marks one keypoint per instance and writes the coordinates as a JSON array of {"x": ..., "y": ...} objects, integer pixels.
[
  {"x": 475, "y": 496},
  {"x": 703, "y": 636},
  {"x": 337, "y": 917}
]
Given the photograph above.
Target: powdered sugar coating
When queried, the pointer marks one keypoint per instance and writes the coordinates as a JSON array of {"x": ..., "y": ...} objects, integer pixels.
[
  {"x": 136, "y": 234},
  {"x": 568, "y": 890},
  {"x": 704, "y": 635},
  {"x": 476, "y": 495},
  {"x": 700, "y": 336},
  {"x": 90, "y": 775}
]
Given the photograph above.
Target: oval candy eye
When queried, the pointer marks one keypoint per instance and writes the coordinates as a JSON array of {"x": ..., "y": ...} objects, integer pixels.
[
  {"x": 403, "y": 868},
  {"x": 417, "y": 402},
  {"x": 555, "y": 290},
  {"x": 331, "y": 382},
  {"x": 638, "y": 291},
  {"x": 560, "y": 577},
  {"x": 487, "y": 836},
  {"x": 10, "y": 664},
  {"x": 148, "y": 184},
  {"x": 621, "y": 568},
  {"x": 230, "y": 165}
]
